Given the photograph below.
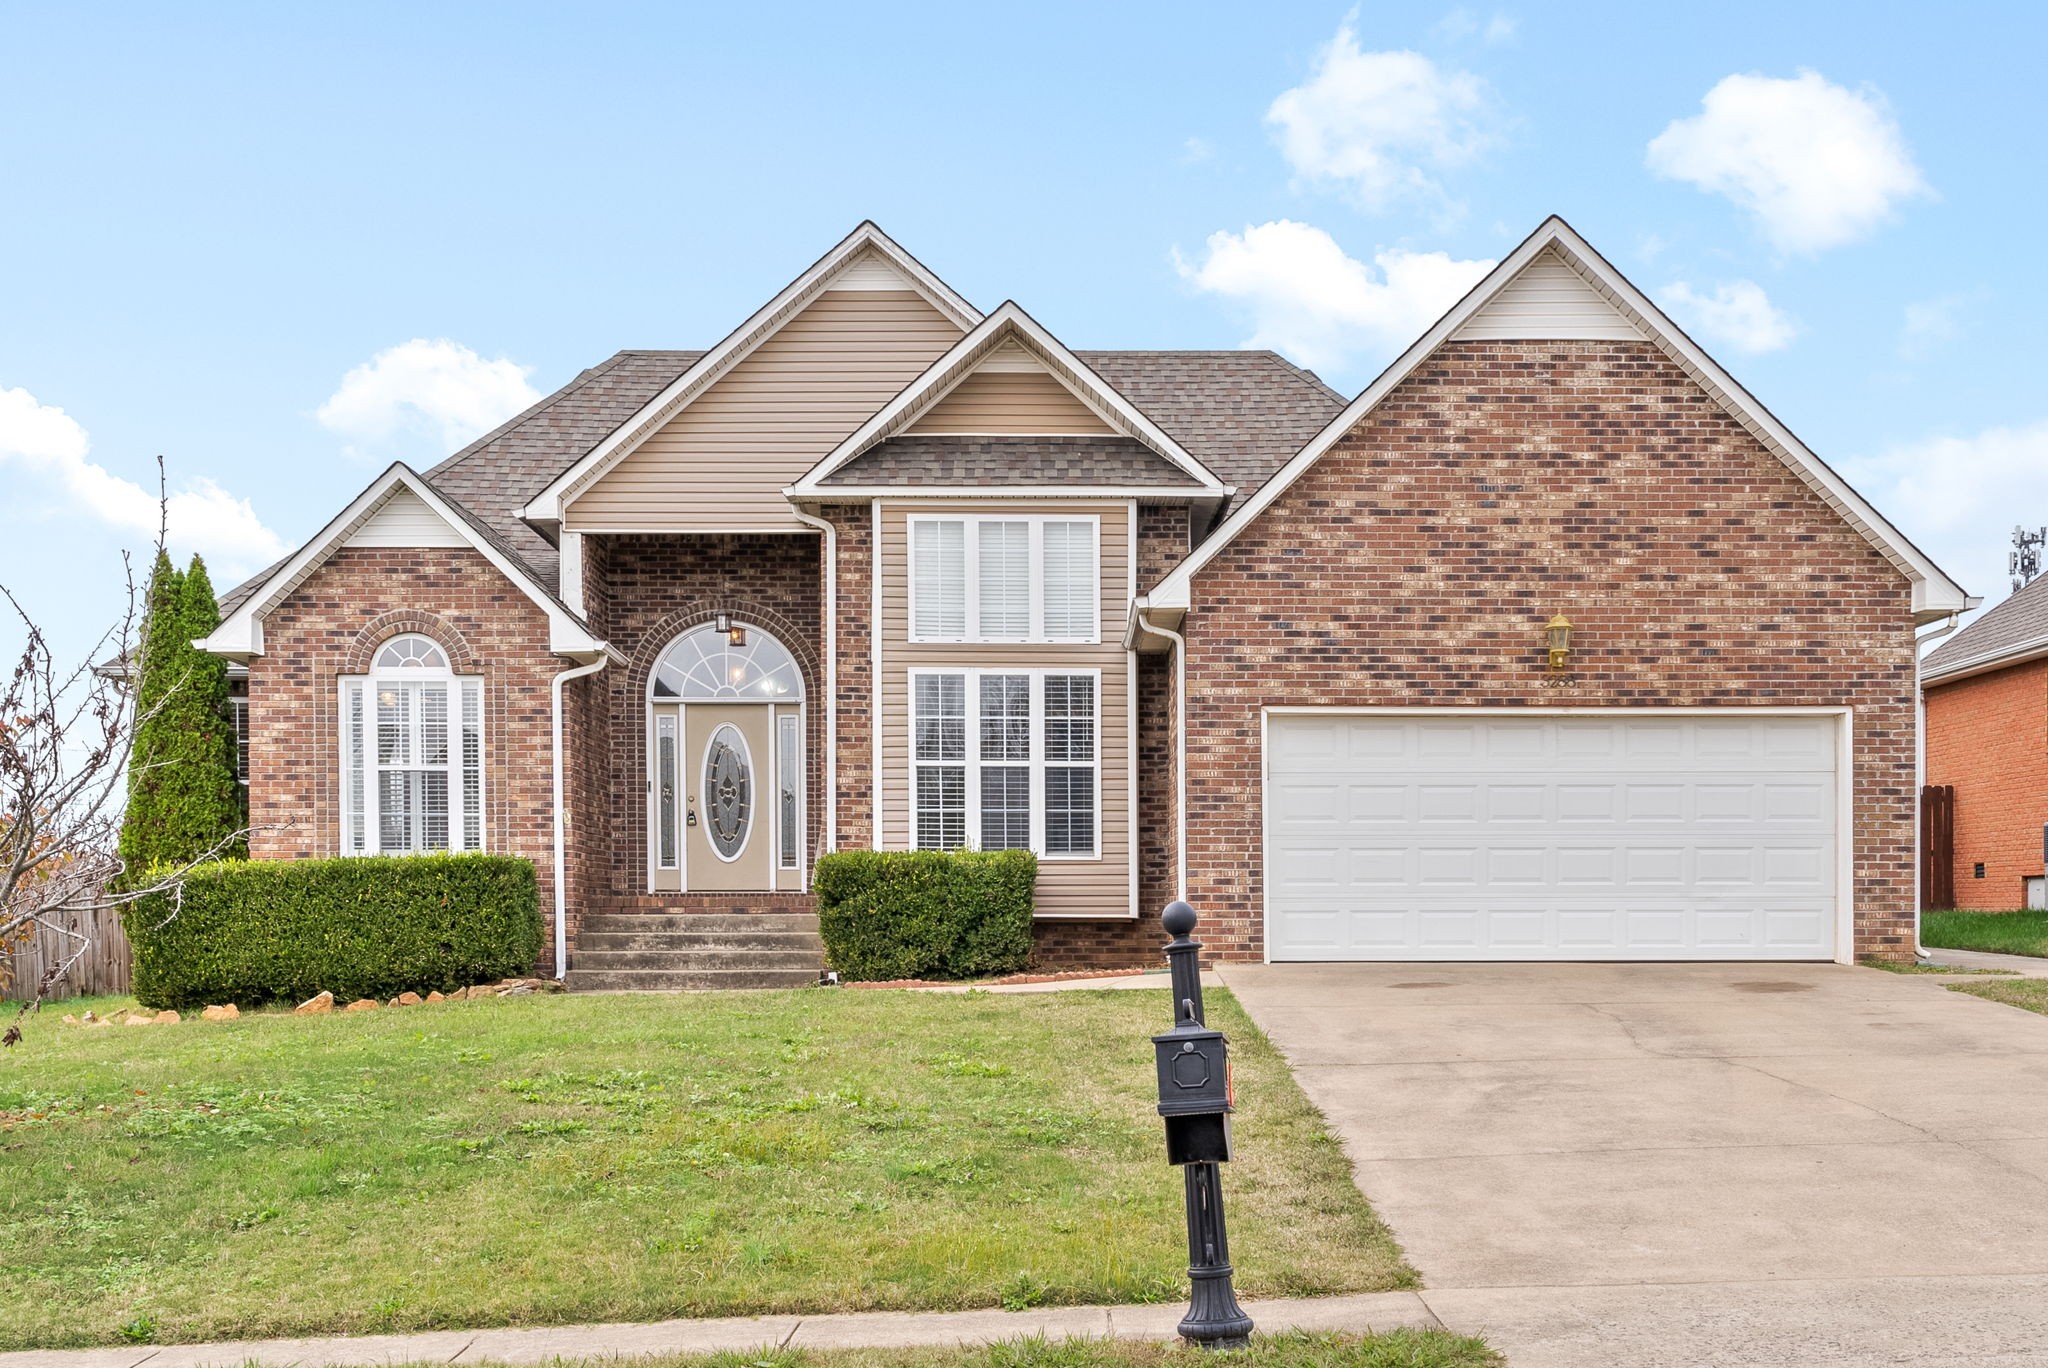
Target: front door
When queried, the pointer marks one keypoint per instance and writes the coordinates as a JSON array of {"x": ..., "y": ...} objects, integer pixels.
[{"x": 728, "y": 778}]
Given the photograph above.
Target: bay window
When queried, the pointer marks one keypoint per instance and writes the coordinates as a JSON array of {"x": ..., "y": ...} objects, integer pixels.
[
  {"x": 1025, "y": 579},
  {"x": 411, "y": 753},
  {"x": 1006, "y": 760}
]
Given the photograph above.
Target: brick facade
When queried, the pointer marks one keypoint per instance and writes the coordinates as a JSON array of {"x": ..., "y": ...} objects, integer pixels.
[
  {"x": 1988, "y": 736},
  {"x": 330, "y": 626},
  {"x": 1503, "y": 482},
  {"x": 644, "y": 591}
]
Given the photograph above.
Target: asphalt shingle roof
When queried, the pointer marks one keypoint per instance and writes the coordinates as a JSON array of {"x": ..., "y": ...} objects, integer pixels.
[
  {"x": 1241, "y": 413},
  {"x": 914, "y": 460},
  {"x": 2014, "y": 625}
]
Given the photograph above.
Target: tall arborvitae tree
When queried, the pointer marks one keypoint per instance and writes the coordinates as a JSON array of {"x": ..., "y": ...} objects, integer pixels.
[
  {"x": 182, "y": 797},
  {"x": 219, "y": 806}
]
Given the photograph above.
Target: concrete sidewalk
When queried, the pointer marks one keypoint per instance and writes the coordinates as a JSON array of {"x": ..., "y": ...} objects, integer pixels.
[
  {"x": 879, "y": 1330},
  {"x": 2026, "y": 966}
]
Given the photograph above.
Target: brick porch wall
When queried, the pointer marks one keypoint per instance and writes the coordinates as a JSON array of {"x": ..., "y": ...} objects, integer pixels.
[
  {"x": 1988, "y": 736},
  {"x": 1504, "y": 482},
  {"x": 330, "y": 626}
]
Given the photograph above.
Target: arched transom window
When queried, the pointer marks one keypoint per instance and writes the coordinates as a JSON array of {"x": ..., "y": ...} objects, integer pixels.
[
  {"x": 412, "y": 754},
  {"x": 706, "y": 665}
]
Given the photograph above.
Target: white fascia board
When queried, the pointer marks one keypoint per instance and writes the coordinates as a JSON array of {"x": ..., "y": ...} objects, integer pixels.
[
  {"x": 1984, "y": 664},
  {"x": 949, "y": 371},
  {"x": 712, "y": 366},
  {"x": 241, "y": 635},
  {"x": 1935, "y": 595},
  {"x": 1005, "y": 493}
]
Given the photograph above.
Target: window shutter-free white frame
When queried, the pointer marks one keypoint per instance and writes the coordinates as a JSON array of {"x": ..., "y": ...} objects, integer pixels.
[{"x": 1005, "y": 579}]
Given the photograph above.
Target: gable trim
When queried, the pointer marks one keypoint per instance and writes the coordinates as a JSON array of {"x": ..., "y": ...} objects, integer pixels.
[
  {"x": 241, "y": 635},
  {"x": 548, "y": 505},
  {"x": 948, "y": 372},
  {"x": 1935, "y": 595}
]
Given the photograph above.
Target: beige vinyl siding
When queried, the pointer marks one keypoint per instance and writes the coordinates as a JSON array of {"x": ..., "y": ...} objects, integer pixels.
[
  {"x": 404, "y": 520},
  {"x": 1066, "y": 887},
  {"x": 721, "y": 464},
  {"x": 1547, "y": 300},
  {"x": 1010, "y": 401}
]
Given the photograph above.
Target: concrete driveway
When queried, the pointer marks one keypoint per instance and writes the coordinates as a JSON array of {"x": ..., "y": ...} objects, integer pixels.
[{"x": 1676, "y": 1164}]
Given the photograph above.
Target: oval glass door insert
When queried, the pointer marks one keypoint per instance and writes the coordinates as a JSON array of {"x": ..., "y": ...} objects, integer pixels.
[{"x": 728, "y": 792}]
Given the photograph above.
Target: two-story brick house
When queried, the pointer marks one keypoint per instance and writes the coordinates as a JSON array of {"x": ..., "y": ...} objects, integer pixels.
[{"x": 881, "y": 570}]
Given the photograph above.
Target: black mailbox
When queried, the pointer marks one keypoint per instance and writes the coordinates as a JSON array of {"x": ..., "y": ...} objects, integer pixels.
[{"x": 1194, "y": 1091}]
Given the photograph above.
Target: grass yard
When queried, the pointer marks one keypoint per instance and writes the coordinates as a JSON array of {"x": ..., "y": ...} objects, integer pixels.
[
  {"x": 590, "y": 1158},
  {"x": 2001, "y": 933},
  {"x": 2030, "y": 993},
  {"x": 1393, "y": 1349},
  {"x": 1945, "y": 970}
]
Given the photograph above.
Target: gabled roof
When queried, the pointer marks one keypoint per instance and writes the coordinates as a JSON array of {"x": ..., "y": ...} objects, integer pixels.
[
  {"x": 1007, "y": 325},
  {"x": 1935, "y": 595},
  {"x": 866, "y": 249},
  {"x": 2009, "y": 634},
  {"x": 240, "y": 634}
]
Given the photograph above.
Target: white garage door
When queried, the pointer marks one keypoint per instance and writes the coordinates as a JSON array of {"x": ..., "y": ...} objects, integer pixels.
[{"x": 1437, "y": 836}]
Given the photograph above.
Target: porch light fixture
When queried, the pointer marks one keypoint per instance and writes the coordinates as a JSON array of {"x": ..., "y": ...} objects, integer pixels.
[
  {"x": 735, "y": 634},
  {"x": 1557, "y": 635}
]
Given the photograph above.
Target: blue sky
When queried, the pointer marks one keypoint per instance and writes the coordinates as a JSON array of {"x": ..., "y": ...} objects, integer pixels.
[{"x": 282, "y": 245}]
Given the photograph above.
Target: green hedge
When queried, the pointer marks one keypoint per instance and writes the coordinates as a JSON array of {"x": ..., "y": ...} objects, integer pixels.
[
  {"x": 284, "y": 930},
  {"x": 926, "y": 913}
]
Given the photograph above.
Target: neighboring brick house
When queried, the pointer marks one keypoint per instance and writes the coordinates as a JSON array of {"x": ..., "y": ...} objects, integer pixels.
[
  {"x": 880, "y": 570},
  {"x": 1986, "y": 692}
]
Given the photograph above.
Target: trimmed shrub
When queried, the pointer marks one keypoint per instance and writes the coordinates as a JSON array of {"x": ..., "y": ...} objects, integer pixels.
[
  {"x": 936, "y": 914},
  {"x": 283, "y": 930}
]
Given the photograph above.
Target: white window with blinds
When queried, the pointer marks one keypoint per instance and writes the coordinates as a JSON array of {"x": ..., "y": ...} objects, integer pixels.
[
  {"x": 1007, "y": 760},
  {"x": 411, "y": 754},
  {"x": 1005, "y": 579}
]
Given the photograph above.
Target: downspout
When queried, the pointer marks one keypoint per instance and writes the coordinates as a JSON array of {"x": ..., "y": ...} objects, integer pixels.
[
  {"x": 1920, "y": 766},
  {"x": 561, "y": 850},
  {"x": 831, "y": 534},
  {"x": 1180, "y": 751}
]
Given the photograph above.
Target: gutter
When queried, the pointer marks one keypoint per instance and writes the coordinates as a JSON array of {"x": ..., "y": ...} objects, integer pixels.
[
  {"x": 831, "y": 615},
  {"x": 561, "y": 821},
  {"x": 1180, "y": 750},
  {"x": 1920, "y": 762}
]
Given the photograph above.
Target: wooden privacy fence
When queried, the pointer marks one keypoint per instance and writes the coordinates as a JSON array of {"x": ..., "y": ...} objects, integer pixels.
[
  {"x": 102, "y": 969},
  {"x": 1937, "y": 847}
]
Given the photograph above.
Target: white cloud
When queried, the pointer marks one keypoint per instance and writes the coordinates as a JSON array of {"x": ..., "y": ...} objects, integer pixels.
[
  {"x": 1195, "y": 150},
  {"x": 1928, "y": 324},
  {"x": 1738, "y": 313},
  {"x": 1383, "y": 124},
  {"x": 1817, "y": 164},
  {"x": 1462, "y": 23},
  {"x": 439, "y": 387},
  {"x": 1958, "y": 497},
  {"x": 201, "y": 517},
  {"x": 1319, "y": 306}
]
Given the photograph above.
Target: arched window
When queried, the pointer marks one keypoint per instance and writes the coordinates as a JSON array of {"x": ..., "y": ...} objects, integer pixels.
[
  {"x": 412, "y": 754},
  {"x": 706, "y": 665}
]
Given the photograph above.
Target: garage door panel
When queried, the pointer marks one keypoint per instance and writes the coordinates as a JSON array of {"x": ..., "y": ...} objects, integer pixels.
[{"x": 1525, "y": 838}]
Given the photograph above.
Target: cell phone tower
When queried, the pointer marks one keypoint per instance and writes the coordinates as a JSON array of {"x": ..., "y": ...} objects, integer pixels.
[{"x": 2025, "y": 561}]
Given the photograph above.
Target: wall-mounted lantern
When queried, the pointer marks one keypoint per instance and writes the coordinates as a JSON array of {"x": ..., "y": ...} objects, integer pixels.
[
  {"x": 735, "y": 633},
  {"x": 1558, "y": 637}
]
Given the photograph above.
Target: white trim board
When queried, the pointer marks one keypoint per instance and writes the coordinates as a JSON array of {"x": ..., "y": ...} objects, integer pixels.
[
  {"x": 1935, "y": 595},
  {"x": 859, "y": 249},
  {"x": 1008, "y": 326},
  {"x": 241, "y": 635}
]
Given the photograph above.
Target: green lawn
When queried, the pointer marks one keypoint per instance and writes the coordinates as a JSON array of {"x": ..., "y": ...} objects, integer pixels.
[
  {"x": 2002, "y": 933},
  {"x": 2030, "y": 993},
  {"x": 1393, "y": 1349},
  {"x": 592, "y": 1158},
  {"x": 1946, "y": 970}
]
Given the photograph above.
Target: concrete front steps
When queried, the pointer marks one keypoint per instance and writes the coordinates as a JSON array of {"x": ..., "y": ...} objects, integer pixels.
[{"x": 682, "y": 941}]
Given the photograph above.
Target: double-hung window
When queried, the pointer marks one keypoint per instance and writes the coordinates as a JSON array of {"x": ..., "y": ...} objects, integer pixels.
[
  {"x": 1006, "y": 760},
  {"x": 1022, "y": 579},
  {"x": 411, "y": 753}
]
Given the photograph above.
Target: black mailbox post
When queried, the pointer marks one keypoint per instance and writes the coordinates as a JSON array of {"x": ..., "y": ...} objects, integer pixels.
[{"x": 1195, "y": 1098}]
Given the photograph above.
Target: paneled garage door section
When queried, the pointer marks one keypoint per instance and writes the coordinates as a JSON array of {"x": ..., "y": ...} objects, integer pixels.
[{"x": 1394, "y": 837}]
